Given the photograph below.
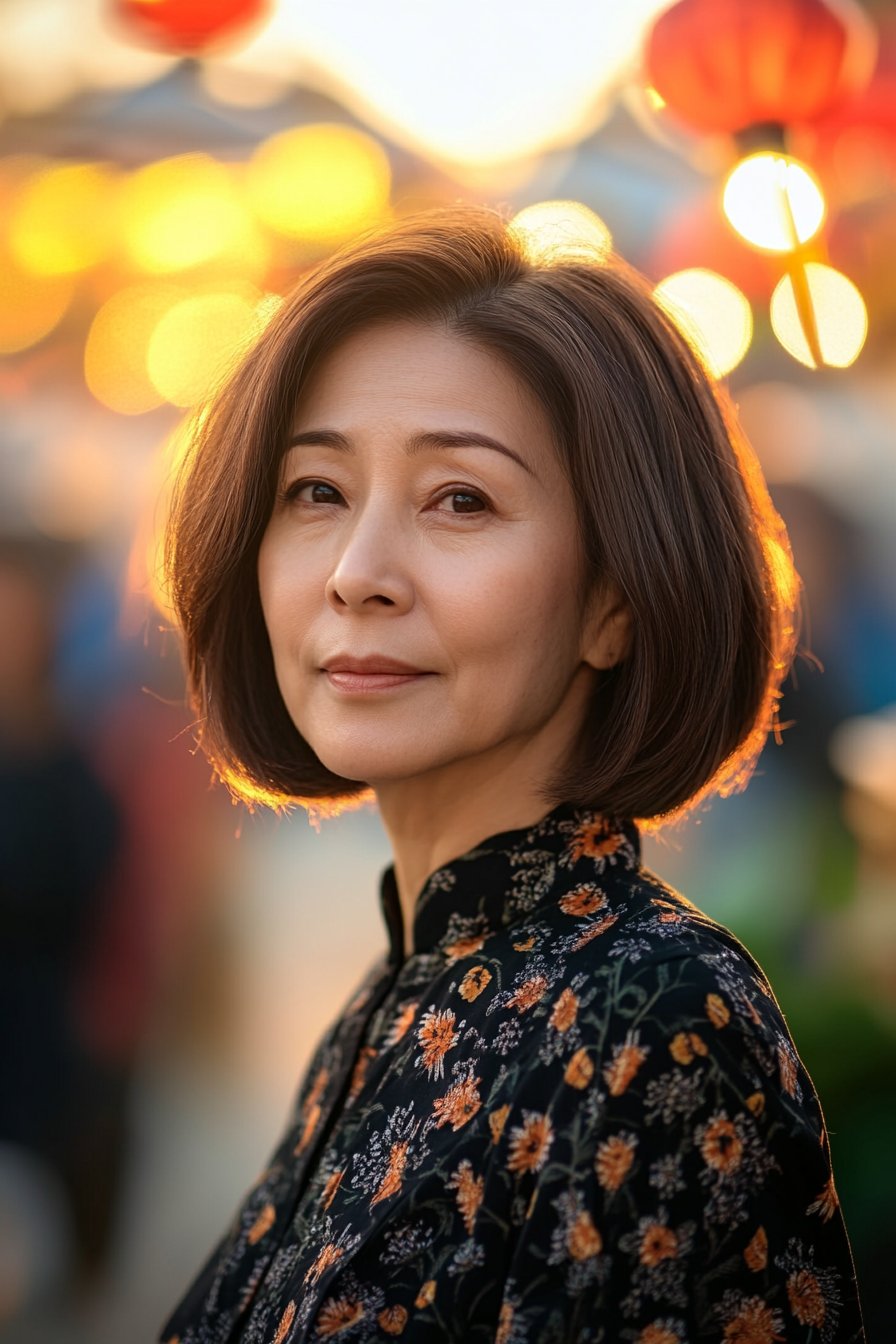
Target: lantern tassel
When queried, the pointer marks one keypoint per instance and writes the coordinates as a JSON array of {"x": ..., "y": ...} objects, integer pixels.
[
  {"x": 805, "y": 309},
  {"x": 802, "y": 295}
]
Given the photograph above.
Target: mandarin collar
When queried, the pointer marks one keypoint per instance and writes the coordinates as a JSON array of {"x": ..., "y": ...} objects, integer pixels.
[{"x": 503, "y": 880}]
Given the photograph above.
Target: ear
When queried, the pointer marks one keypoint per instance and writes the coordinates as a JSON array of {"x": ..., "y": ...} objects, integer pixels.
[{"x": 607, "y": 633}]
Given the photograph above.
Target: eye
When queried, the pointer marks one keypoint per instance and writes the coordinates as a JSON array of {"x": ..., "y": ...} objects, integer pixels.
[
  {"x": 313, "y": 492},
  {"x": 463, "y": 501}
]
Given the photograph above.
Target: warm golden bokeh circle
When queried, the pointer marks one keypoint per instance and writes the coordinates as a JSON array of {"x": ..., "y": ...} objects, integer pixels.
[{"x": 319, "y": 184}]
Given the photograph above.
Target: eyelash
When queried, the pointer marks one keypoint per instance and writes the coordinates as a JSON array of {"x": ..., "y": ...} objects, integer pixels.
[{"x": 291, "y": 494}]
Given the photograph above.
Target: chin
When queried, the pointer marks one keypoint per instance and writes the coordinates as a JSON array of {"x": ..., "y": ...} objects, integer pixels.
[{"x": 374, "y": 763}]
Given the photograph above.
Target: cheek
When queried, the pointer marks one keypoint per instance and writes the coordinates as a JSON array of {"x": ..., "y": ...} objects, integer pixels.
[
  {"x": 518, "y": 608},
  {"x": 286, "y": 589}
]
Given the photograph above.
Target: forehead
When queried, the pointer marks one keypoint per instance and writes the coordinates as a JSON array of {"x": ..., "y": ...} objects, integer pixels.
[{"x": 420, "y": 373}]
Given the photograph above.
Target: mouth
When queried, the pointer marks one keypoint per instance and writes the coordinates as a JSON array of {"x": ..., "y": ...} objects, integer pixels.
[{"x": 355, "y": 676}]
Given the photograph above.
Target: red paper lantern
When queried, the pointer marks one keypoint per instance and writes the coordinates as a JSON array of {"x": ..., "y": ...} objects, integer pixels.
[
  {"x": 724, "y": 65},
  {"x": 189, "y": 27},
  {"x": 853, "y": 147}
]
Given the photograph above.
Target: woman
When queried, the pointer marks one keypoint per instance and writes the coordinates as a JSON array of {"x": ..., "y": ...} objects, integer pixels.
[{"x": 470, "y": 529}]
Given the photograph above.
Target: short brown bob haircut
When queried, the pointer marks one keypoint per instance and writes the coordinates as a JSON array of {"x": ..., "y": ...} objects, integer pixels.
[{"x": 671, "y": 504}]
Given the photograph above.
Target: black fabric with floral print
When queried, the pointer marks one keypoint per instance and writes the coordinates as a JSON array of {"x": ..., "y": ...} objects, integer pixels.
[{"x": 574, "y": 1113}]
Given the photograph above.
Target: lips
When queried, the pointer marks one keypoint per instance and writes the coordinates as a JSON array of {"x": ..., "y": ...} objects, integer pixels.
[{"x": 372, "y": 673}]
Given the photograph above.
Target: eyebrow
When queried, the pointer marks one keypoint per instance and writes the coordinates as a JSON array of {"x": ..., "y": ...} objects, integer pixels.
[{"x": 429, "y": 441}]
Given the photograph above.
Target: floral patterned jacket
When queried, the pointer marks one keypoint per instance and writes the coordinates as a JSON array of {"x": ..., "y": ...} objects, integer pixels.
[{"x": 574, "y": 1113}]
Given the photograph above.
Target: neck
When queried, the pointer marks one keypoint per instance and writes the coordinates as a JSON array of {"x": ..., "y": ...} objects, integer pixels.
[{"x": 434, "y": 818}]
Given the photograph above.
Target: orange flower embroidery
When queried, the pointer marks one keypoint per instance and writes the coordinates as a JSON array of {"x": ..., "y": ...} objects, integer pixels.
[
  {"x": 627, "y": 1060},
  {"x": 308, "y": 1131},
  {"x": 391, "y": 1182},
  {"x": 787, "y": 1066},
  {"x": 311, "y": 1109},
  {"x": 426, "y": 1295},
  {"x": 459, "y": 1104},
  {"x": 327, "y": 1256},
  {"x": 721, "y": 1145},
  {"x": 680, "y": 1049},
  {"x": 584, "y": 900},
  {"x": 338, "y": 1314},
  {"x": 505, "y": 1323},
  {"x": 529, "y": 993},
  {"x": 403, "y": 1022},
  {"x": 263, "y": 1223},
  {"x": 717, "y": 1011},
  {"x": 473, "y": 983},
  {"x": 613, "y": 1160},
  {"x": 496, "y": 1122},
  {"x": 437, "y": 1036},
  {"x": 756, "y": 1254},
  {"x": 565, "y": 1010},
  {"x": 658, "y": 1334},
  {"x": 393, "y": 1320},
  {"x": 526, "y": 946},
  {"x": 286, "y": 1321},
  {"x": 579, "y": 1070},
  {"x": 599, "y": 926},
  {"x": 365, "y": 1055},
  {"x": 530, "y": 1142},
  {"x": 668, "y": 914},
  {"x": 658, "y": 1243},
  {"x": 317, "y": 1090},
  {"x": 686, "y": 1045},
  {"x": 329, "y": 1191},
  {"x": 465, "y": 947},
  {"x": 593, "y": 841},
  {"x": 584, "y": 1240},
  {"x": 468, "y": 1192},
  {"x": 756, "y": 1104},
  {"x": 826, "y": 1203},
  {"x": 806, "y": 1298},
  {"x": 755, "y": 1323}
]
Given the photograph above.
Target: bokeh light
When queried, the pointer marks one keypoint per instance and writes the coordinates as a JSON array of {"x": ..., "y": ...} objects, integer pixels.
[
  {"x": 863, "y": 752},
  {"x": 841, "y": 319},
  {"x": 711, "y": 313},
  {"x": 74, "y": 489},
  {"x": 773, "y": 202},
  {"x": 785, "y": 427},
  {"x": 321, "y": 183},
  {"x": 30, "y": 305},
  {"x": 181, "y": 212},
  {"x": 63, "y": 218},
  {"x": 198, "y": 339},
  {"x": 562, "y": 231},
  {"x": 117, "y": 345}
]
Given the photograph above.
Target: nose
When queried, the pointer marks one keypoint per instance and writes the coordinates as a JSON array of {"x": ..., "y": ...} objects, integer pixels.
[{"x": 372, "y": 570}]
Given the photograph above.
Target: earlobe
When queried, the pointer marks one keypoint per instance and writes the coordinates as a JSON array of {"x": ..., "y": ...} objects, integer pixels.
[{"x": 608, "y": 633}]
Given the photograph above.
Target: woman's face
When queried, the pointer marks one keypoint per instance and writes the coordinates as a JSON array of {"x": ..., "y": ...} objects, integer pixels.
[{"x": 420, "y": 573}]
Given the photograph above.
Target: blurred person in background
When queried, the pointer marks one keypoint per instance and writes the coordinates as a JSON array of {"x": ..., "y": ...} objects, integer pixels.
[
  {"x": 61, "y": 1114},
  {"x": 567, "y": 1106}
]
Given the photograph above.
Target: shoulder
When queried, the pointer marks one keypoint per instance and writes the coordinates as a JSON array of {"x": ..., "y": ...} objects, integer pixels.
[{"x": 628, "y": 987}]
